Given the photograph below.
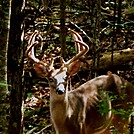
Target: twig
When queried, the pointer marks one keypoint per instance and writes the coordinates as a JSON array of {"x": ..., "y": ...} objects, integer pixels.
[
  {"x": 43, "y": 129},
  {"x": 31, "y": 131},
  {"x": 91, "y": 40}
]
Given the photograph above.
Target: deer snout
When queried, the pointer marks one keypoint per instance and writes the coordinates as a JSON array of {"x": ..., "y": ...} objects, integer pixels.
[{"x": 60, "y": 88}]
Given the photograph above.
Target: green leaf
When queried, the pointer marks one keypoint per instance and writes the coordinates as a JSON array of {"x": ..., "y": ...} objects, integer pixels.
[
  {"x": 4, "y": 84},
  {"x": 29, "y": 95}
]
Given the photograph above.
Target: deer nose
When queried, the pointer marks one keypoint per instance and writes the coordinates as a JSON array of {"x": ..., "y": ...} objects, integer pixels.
[{"x": 60, "y": 88}]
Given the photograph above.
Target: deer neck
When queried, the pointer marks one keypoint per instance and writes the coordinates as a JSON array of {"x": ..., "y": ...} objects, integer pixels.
[
  {"x": 58, "y": 108},
  {"x": 54, "y": 96},
  {"x": 58, "y": 99}
]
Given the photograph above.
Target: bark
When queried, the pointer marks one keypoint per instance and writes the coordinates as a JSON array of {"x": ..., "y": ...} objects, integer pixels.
[
  {"x": 122, "y": 59},
  {"x": 119, "y": 11},
  {"x": 4, "y": 94},
  {"x": 15, "y": 67},
  {"x": 62, "y": 27}
]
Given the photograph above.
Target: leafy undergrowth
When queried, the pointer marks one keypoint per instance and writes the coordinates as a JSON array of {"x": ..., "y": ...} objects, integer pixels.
[{"x": 36, "y": 111}]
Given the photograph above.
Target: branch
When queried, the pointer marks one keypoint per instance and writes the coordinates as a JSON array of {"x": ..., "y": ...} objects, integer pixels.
[{"x": 90, "y": 39}]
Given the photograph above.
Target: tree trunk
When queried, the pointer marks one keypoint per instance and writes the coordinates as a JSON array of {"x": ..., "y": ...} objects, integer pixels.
[
  {"x": 15, "y": 67},
  {"x": 122, "y": 60},
  {"x": 4, "y": 94},
  {"x": 62, "y": 27}
]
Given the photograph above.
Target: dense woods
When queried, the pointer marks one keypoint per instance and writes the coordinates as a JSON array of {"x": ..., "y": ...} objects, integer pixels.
[{"x": 106, "y": 26}]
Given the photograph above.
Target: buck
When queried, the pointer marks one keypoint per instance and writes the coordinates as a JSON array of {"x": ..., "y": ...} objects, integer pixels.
[{"x": 77, "y": 111}]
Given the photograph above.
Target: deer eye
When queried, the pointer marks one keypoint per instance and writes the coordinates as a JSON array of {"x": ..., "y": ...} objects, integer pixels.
[{"x": 51, "y": 80}]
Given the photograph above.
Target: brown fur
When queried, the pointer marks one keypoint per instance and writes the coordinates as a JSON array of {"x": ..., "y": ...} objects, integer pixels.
[{"x": 77, "y": 111}]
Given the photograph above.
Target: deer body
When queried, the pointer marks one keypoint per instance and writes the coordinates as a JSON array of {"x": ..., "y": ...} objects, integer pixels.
[
  {"x": 79, "y": 109},
  {"x": 80, "y": 113}
]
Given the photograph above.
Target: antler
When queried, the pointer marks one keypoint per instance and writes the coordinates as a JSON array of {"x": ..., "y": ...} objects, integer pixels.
[
  {"x": 77, "y": 37},
  {"x": 30, "y": 47},
  {"x": 82, "y": 47},
  {"x": 74, "y": 64},
  {"x": 44, "y": 68}
]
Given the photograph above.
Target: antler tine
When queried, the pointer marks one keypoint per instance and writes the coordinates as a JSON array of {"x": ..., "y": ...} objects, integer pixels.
[
  {"x": 78, "y": 39},
  {"x": 43, "y": 69},
  {"x": 30, "y": 47},
  {"x": 81, "y": 53}
]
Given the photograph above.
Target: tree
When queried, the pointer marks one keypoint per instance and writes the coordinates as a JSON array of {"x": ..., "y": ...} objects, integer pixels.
[
  {"x": 4, "y": 94},
  {"x": 15, "y": 67},
  {"x": 62, "y": 22}
]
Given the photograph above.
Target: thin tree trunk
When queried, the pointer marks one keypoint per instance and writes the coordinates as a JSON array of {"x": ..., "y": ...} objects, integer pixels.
[
  {"x": 62, "y": 27},
  {"x": 4, "y": 94},
  {"x": 15, "y": 67},
  {"x": 119, "y": 11}
]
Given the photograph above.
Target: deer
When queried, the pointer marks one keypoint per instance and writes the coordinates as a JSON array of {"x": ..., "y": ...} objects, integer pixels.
[{"x": 76, "y": 111}]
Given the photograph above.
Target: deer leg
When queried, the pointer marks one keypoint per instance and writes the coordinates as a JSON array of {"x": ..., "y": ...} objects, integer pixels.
[{"x": 82, "y": 128}]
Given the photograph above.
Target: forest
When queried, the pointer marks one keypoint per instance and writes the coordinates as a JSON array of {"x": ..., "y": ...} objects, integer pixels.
[{"x": 98, "y": 37}]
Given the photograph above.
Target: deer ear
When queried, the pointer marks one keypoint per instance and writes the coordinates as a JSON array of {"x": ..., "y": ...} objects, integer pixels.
[
  {"x": 41, "y": 70},
  {"x": 109, "y": 73},
  {"x": 74, "y": 68}
]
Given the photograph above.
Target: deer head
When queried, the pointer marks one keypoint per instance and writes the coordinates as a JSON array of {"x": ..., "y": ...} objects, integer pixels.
[{"x": 45, "y": 68}]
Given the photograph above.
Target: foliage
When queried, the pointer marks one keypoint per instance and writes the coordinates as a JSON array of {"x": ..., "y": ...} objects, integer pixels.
[
  {"x": 3, "y": 84},
  {"x": 36, "y": 110},
  {"x": 104, "y": 106}
]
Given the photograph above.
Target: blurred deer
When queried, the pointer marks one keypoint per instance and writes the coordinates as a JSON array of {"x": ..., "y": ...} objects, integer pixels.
[{"x": 76, "y": 111}]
